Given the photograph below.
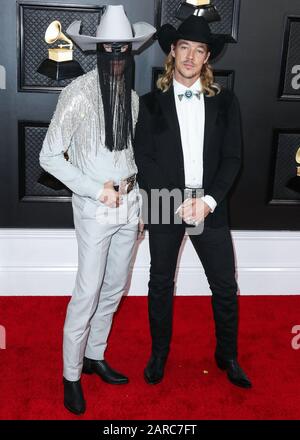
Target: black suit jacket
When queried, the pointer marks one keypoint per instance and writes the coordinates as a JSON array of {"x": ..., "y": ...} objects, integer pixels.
[{"x": 159, "y": 155}]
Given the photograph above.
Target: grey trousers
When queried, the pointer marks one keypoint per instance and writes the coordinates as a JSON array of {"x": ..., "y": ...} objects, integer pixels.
[{"x": 106, "y": 238}]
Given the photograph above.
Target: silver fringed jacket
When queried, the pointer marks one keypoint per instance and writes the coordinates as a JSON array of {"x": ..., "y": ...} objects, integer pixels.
[{"x": 77, "y": 127}]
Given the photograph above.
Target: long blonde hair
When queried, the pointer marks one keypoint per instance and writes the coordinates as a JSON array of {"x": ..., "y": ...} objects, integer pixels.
[{"x": 164, "y": 81}]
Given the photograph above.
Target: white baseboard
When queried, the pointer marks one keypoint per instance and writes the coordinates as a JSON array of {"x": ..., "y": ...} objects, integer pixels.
[{"x": 44, "y": 262}]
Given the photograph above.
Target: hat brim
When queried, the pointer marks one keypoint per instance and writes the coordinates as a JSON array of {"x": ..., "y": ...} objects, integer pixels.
[
  {"x": 142, "y": 32},
  {"x": 167, "y": 35}
]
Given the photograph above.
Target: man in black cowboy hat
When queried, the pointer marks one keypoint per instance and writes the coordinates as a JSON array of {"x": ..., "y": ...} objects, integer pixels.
[{"x": 188, "y": 137}]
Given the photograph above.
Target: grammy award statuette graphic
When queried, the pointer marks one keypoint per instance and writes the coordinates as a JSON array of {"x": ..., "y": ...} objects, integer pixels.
[{"x": 60, "y": 64}]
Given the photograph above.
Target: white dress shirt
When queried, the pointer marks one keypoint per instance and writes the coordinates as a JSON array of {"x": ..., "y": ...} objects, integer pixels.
[{"x": 191, "y": 117}]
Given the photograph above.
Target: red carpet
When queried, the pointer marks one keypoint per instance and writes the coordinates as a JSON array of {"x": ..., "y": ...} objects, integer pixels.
[{"x": 31, "y": 365}]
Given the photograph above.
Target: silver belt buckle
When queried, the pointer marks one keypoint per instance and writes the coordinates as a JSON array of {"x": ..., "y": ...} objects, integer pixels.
[{"x": 127, "y": 185}]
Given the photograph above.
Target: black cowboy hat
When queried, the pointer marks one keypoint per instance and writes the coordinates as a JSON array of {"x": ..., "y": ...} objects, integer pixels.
[{"x": 194, "y": 28}]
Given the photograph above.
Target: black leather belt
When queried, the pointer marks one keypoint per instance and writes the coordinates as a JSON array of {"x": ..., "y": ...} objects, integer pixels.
[{"x": 127, "y": 184}]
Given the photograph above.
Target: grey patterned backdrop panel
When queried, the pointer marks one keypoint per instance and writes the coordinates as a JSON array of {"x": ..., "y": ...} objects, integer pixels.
[
  {"x": 33, "y": 22},
  {"x": 290, "y": 64},
  {"x": 228, "y": 10},
  {"x": 286, "y": 144},
  {"x": 225, "y": 78},
  {"x": 31, "y": 137}
]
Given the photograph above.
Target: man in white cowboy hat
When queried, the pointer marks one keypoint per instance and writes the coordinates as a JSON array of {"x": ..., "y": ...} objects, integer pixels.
[
  {"x": 94, "y": 122},
  {"x": 188, "y": 137}
]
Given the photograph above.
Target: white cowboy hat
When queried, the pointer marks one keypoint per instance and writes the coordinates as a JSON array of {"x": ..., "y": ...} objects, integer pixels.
[{"x": 114, "y": 27}]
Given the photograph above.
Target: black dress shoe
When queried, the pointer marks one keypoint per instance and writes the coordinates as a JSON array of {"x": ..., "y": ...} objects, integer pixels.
[
  {"x": 234, "y": 372},
  {"x": 154, "y": 371},
  {"x": 103, "y": 370},
  {"x": 73, "y": 396}
]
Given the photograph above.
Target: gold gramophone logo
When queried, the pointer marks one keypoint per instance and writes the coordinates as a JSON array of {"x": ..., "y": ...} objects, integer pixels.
[
  {"x": 298, "y": 161},
  {"x": 203, "y": 8},
  {"x": 294, "y": 182},
  {"x": 198, "y": 2},
  {"x": 63, "y": 52},
  {"x": 60, "y": 64}
]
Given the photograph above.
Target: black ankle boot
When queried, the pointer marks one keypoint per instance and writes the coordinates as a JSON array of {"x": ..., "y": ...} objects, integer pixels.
[
  {"x": 154, "y": 371},
  {"x": 234, "y": 372},
  {"x": 73, "y": 396},
  {"x": 103, "y": 370}
]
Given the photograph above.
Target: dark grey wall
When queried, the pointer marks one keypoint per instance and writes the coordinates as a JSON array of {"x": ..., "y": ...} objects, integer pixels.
[
  {"x": 257, "y": 63},
  {"x": 256, "y": 60}
]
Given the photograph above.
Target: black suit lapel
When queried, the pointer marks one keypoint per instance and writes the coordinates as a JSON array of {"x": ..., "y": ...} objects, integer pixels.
[
  {"x": 211, "y": 111},
  {"x": 168, "y": 107}
]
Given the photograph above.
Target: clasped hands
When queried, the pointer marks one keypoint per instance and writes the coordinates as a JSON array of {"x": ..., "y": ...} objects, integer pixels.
[{"x": 193, "y": 211}]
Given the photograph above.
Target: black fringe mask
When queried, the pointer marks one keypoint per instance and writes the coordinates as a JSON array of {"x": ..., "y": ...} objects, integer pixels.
[{"x": 115, "y": 72}]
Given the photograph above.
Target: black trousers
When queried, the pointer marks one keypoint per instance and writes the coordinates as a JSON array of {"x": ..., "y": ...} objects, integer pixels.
[{"x": 215, "y": 251}]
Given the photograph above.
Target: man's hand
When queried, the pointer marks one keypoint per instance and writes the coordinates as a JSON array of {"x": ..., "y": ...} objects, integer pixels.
[
  {"x": 193, "y": 211},
  {"x": 110, "y": 196}
]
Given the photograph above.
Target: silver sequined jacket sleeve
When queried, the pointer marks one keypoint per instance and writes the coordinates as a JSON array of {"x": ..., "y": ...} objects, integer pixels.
[{"x": 63, "y": 125}]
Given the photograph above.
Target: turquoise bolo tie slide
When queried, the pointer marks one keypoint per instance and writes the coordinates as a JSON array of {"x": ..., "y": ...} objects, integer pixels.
[{"x": 188, "y": 95}]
